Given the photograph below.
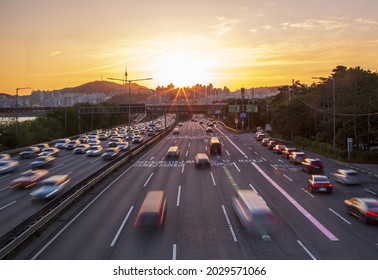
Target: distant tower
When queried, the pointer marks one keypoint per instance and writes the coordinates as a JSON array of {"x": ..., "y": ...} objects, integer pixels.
[{"x": 125, "y": 81}]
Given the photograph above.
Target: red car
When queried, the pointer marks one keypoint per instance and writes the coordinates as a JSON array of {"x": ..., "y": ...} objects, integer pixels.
[{"x": 29, "y": 179}]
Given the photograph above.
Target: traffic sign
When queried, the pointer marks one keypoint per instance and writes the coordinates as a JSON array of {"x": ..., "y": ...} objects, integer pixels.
[
  {"x": 252, "y": 108},
  {"x": 234, "y": 108},
  {"x": 243, "y": 115}
]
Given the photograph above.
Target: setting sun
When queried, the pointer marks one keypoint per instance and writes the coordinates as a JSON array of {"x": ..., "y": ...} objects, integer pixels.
[{"x": 183, "y": 69}]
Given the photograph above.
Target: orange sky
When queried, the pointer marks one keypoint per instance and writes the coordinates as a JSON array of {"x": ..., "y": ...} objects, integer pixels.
[{"x": 54, "y": 44}]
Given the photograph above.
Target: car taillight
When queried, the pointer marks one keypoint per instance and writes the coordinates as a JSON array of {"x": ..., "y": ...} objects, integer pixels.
[{"x": 371, "y": 213}]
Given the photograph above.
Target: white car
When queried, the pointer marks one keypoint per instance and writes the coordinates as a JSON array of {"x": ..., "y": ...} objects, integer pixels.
[
  {"x": 94, "y": 150},
  {"x": 347, "y": 177}
]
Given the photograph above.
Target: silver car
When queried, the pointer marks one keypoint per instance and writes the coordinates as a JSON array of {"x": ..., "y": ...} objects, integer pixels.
[
  {"x": 7, "y": 166},
  {"x": 347, "y": 177}
]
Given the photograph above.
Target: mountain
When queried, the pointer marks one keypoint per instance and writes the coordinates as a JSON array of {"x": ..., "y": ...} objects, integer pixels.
[{"x": 104, "y": 86}]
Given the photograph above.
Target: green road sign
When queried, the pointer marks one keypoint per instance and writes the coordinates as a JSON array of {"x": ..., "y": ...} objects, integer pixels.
[
  {"x": 251, "y": 108},
  {"x": 234, "y": 108}
]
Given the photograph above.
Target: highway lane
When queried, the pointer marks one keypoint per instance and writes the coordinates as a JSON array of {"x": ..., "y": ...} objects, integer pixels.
[
  {"x": 200, "y": 221},
  {"x": 15, "y": 204}
]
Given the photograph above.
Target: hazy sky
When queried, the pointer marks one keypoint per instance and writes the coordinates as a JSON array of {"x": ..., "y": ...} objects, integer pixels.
[{"x": 51, "y": 44}]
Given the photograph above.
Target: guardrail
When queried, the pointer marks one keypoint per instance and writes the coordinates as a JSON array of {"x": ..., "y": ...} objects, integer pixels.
[{"x": 20, "y": 233}]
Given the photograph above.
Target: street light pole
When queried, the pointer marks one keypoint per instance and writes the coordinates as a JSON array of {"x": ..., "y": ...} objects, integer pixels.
[
  {"x": 17, "y": 89},
  {"x": 129, "y": 81}
]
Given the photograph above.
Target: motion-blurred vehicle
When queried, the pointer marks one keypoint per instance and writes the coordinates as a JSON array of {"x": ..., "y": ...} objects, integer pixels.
[
  {"x": 176, "y": 130},
  {"x": 62, "y": 143},
  {"x": 260, "y": 136},
  {"x": 42, "y": 162},
  {"x": 347, "y": 177},
  {"x": 297, "y": 157},
  {"x": 94, "y": 150},
  {"x": 173, "y": 152},
  {"x": 278, "y": 149},
  {"x": 29, "y": 152},
  {"x": 209, "y": 129},
  {"x": 252, "y": 211},
  {"x": 51, "y": 151},
  {"x": 366, "y": 209},
  {"x": 201, "y": 159},
  {"x": 152, "y": 211},
  {"x": 114, "y": 141},
  {"x": 215, "y": 146},
  {"x": 110, "y": 153},
  {"x": 265, "y": 141},
  {"x": 51, "y": 187},
  {"x": 29, "y": 179},
  {"x": 4, "y": 157},
  {"x": 288, "y": 151},
  {"x": 319, "y": 183},
  {"x": 81, "y": 149},
  {"x": 73, "y": 144},
  {"x": 7, "y": 166},
  {"x": 123, "y": 146},
  {"x": 42, "y": 146},
  {"x": 271, "y": 144},
  {"x": 137, "y": 139},
  {"x": 312, "y": 165}
]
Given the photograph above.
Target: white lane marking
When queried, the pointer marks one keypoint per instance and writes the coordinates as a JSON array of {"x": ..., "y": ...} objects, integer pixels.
[
  {"x": 370, "y": 191},
  {"x": 206, "y": 148},
  {"x": 288, "y": 178},
  {"x": 263, "y": 159},
  {"x": 233, "y": 144},
  {"x": 307, "y": 250},
  {"x": 9, "y": 204},
  {"x": 299, "y": 207},
  {"x": 237, "y": 167},
  {"x": 307, "y": 192},
  {"x": 212, "y": 177},
  {"x": 187, "y": 152},
  {"x": 273, "y": 166},
  {"x": 183, "y": 167},
  {"x": 121, "y": 227},
  {"x": 3, "y": 189},
  {"x": 189, "y": 145},
  {"x": 252, "y": 187},
  {"x": 178, "y": 196},
  {"x": 152, "y": 158},
  {"x": 227, "y": 152},
  {"x": 95, "y": 160},
  {"x": 149, "y": 178},
  {"x": 338, "y": 215},
  {"x": 55, "y": 167},
  {"x": 229, "y": 224},
  {"x": 256, "y": 153},
  {"x": 174, "y": 252}
]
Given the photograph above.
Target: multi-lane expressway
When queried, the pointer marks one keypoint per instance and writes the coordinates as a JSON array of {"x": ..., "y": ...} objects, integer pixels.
[{"x": 200, "y": 222}]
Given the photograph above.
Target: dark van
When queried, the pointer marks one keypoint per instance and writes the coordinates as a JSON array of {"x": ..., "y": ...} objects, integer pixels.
[{"x": 215, "y": 146}]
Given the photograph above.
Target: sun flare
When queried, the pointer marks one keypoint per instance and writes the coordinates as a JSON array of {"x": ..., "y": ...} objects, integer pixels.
[{"x": 183, "y": 69}]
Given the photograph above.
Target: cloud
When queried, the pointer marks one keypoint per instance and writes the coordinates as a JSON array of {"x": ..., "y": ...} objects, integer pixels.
[
  {"x": 225, "y": 25},
  {"x": 54, "y": 53}
]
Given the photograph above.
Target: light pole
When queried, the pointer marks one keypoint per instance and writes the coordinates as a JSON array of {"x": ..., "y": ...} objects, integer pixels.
[
  {"x": 17, "y": 89},
  {"x": 333, "y": 106},
  {"x": 129, "y": 81}
]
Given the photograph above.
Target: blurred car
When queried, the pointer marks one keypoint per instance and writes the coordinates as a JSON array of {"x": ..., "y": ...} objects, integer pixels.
[
  {"x": 271, "y": 144},
  {"x": 93, "y": 142},
  {"x": 366, "y": 209},
  {"x": 347, "y": 177},
  {"x": 297, "y": 157},
  {"x": 137, "y": 139},
  {"x": 201, "y": 159},
  {"x": 288, "y": 151},
  {"x": 176, "y": 131},
  {"x": 42, "y": 146},
  {"x": 152, "y": 211},
  {"x": 209, "y": 129},
  {"x": 110, "y": 153},
  {"x": 252, "y": 211},
  {"x": 83, "y": 138},
  {"x": 123, "y": 146},
  {"x": 319, "y": 183},
  {"x": 260, "y": 136},
  {"x": 81, "y": 148},
  {"x": 42, "y": 162},
  {"x": 94, "y": 150},
  {"x": 265, "y": 141},
  {"x": 62, "y": 143},
  {"x": 7, "y": 166},
  {"x": 29, "y": 178},
  {"x": 215, "y": 146},
  {"x": 114, "y": 141},
  {"x": 312, "y": 165},
  {"x": 173, "y": 152},
  {"x": 51, "y": 151},
  {"x": 150, "y": 132},
  {"x": 278, "y": 149},
  {"x": 29, "y": 152},
  {"x": 51, "y": 187},
  {"x": 73, "y": 144},
  {"x": 4, "y": 157}
]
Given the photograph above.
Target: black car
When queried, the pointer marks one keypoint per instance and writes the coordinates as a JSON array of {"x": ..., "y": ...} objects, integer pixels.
[
  {"x": 30, "y": 152},
  {"x": 365, "y": 209},
  {"x": 312, "y": 165}
]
